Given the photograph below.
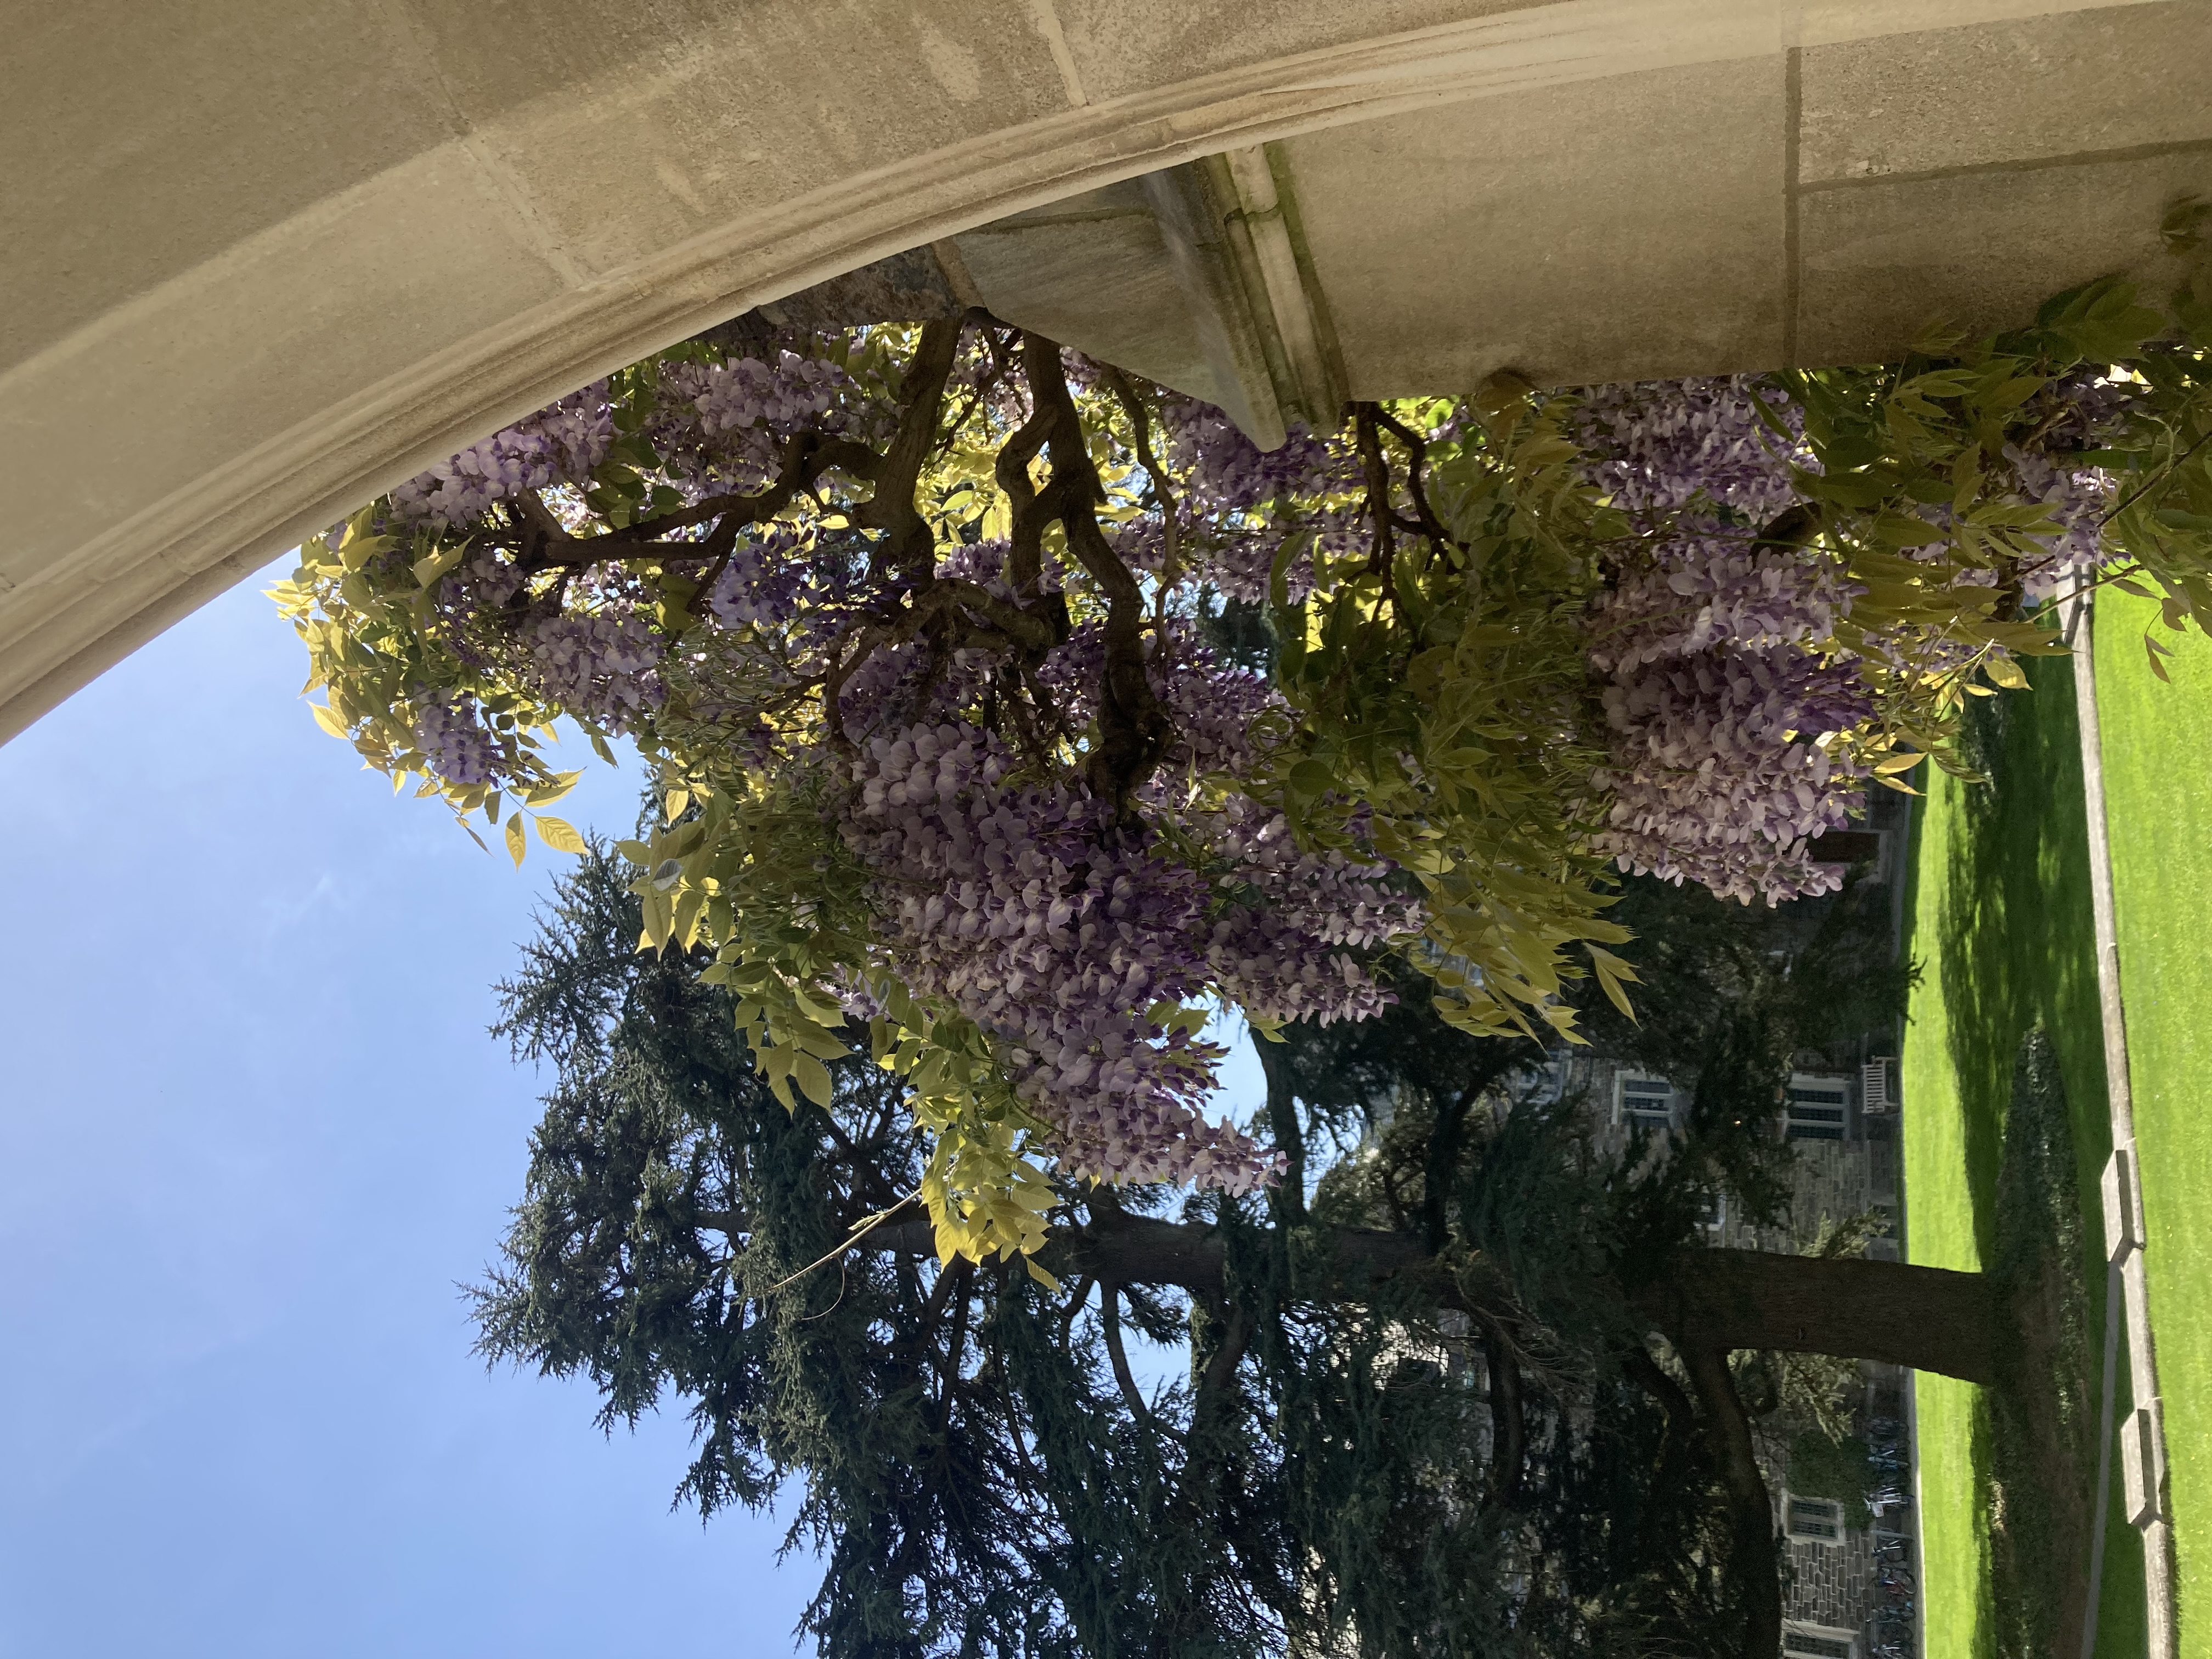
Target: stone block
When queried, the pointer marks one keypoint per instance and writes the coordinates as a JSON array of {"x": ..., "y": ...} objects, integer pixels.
[
  {"x": 634, "y": 128},
  {"x": 2143, "y": 1465},
  {"x": 1094, "y": 273},
  {"x": 282, "y": 255},
  {"x": 2120, "y": 77},
  {"x": 2123, "y": 1204},
  {"x": 1881, "y": 260},
  {"x": 1118, "y": 47},
  {"x": 2134, "y": 1293},
  {"x": 423, "y": 256},
  {"x": 143, "y": 139},
  {"x": 1621, "y": 230}
]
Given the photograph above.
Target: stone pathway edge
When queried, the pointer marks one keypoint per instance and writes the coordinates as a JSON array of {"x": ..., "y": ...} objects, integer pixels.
[{"x": 2142, "y": 1437}]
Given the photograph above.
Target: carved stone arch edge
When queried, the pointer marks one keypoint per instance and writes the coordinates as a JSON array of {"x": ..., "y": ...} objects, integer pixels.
[{"x": 118, "y": 590}]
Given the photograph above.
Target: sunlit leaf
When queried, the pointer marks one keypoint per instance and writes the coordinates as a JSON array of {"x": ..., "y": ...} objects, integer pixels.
[{"x": 559, "y": 835}]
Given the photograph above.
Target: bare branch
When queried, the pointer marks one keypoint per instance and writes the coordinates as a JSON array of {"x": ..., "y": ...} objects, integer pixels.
[
  {"x": 1417, "y": 456},
  {"x": 540, "y": 529},
  {"x": 1025, "y": 555},
  {"x": 1682, "y": 1430},
  {"x": 1031, "y": 629},
  {"x": 1140, "y": 425},
  {"x": 1509, "y": 1430},
  {"x": 1211, "y": 1400},
  {"x": 1283, "y": 1125},
  {"x": 956, "y": 1340},
  {"x": 1377, "y": 470},
  {"x": 1928, "y": 1318},
  {"x": 1109, "y": 1298},
  {"x": 807, "y": 457}
]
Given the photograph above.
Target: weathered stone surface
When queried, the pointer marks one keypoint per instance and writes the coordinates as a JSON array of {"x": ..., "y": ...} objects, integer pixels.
[
  {"x": 1996, "y": 95},
  {"x": 1118, "y": 47},
  {"x": 272, "y": 259},
  {"x": 1095, "y": 272},
  {"x": 142, "y": 141},
  {"x": 1619, "y": 229},
  {"x": 1979, "y": 249},
  {"x": 907, "y": 288}
]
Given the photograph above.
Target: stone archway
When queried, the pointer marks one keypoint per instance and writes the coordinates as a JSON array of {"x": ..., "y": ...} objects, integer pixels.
[{"x": 264, "y": 262}]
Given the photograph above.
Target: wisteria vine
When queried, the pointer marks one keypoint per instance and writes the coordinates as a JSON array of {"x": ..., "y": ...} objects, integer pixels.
[{"x": 924, "y": 632}]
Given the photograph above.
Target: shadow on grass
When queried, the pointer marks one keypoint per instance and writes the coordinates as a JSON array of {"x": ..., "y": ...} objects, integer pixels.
[
  {"x": 2040, "y": 1426},
  {"x": 2014, "y": 951},
  {"x": 2016, "y": 947}
]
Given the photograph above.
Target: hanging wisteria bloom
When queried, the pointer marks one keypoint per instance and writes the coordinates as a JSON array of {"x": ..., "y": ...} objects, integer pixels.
[
  {"x": 1718, "y": 694},
  {"x": 2087, "y": 409},
  {"x": 559, "y": 445},
  {"x": 1718, "y": 636},
  {"x": 453, "y": 741}
]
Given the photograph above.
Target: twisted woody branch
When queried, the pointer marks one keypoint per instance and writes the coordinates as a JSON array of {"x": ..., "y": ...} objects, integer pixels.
[{"x": 1134, "y": 729}]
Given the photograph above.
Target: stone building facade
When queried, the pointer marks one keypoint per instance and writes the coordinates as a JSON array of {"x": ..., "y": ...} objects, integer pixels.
[
  {"x": 1847, "y": 1168},
  {"x": 1849, "y": 1594}
]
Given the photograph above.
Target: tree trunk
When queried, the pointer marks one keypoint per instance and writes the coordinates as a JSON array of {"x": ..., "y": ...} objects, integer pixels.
[
  {"x": 1707, "y": 1302},
  {"x": 1756, "y": 1560},
  {"x": 1929, "y": 1319}
]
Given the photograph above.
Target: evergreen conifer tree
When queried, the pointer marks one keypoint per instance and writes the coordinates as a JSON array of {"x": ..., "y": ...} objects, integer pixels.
[{"x": 1458, "y": 1385}]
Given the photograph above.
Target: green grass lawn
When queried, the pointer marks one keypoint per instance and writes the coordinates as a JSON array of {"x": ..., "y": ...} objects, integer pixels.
[
  {"x": 1939, "y": 1231},
  {"x": 1999, "y": 918},
  {"x": 2158, "y": 764}
]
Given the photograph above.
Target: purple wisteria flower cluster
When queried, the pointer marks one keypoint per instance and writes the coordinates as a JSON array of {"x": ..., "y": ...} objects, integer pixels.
[
  {"x": 559, "y": 445},
  {"x": 1230, "y": 473},
  {"x": 1231, "y": 485},
  {"x": 715, "y": 426},
  {"x": 1070, "y": 933},
  {"x": 764, "y": 582},
  {"x": 2090, "y": 407},
  {"x": 1716, "y": 640},
  {"x": 602, "y": 665},
  {"x": 1057, "y": 933},
  {"x": 1717, "y": 691},
  {"x": 453, "y": 738},
  {"x": 723, "y": 425},
  {"x": 1271, "y": 954}
]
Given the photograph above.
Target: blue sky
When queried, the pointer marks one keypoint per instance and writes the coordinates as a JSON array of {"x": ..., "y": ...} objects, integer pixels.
[{"x": 253, "y": 1135}]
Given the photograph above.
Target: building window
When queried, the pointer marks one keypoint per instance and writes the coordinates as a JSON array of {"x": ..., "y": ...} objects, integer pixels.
[
  {"x": 1648, "y": 1101},
  {"x": 1819, "y": 1644},
  {"x": 1816, "y": 1520},
  {"x": 1818, "y": 1107}
]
